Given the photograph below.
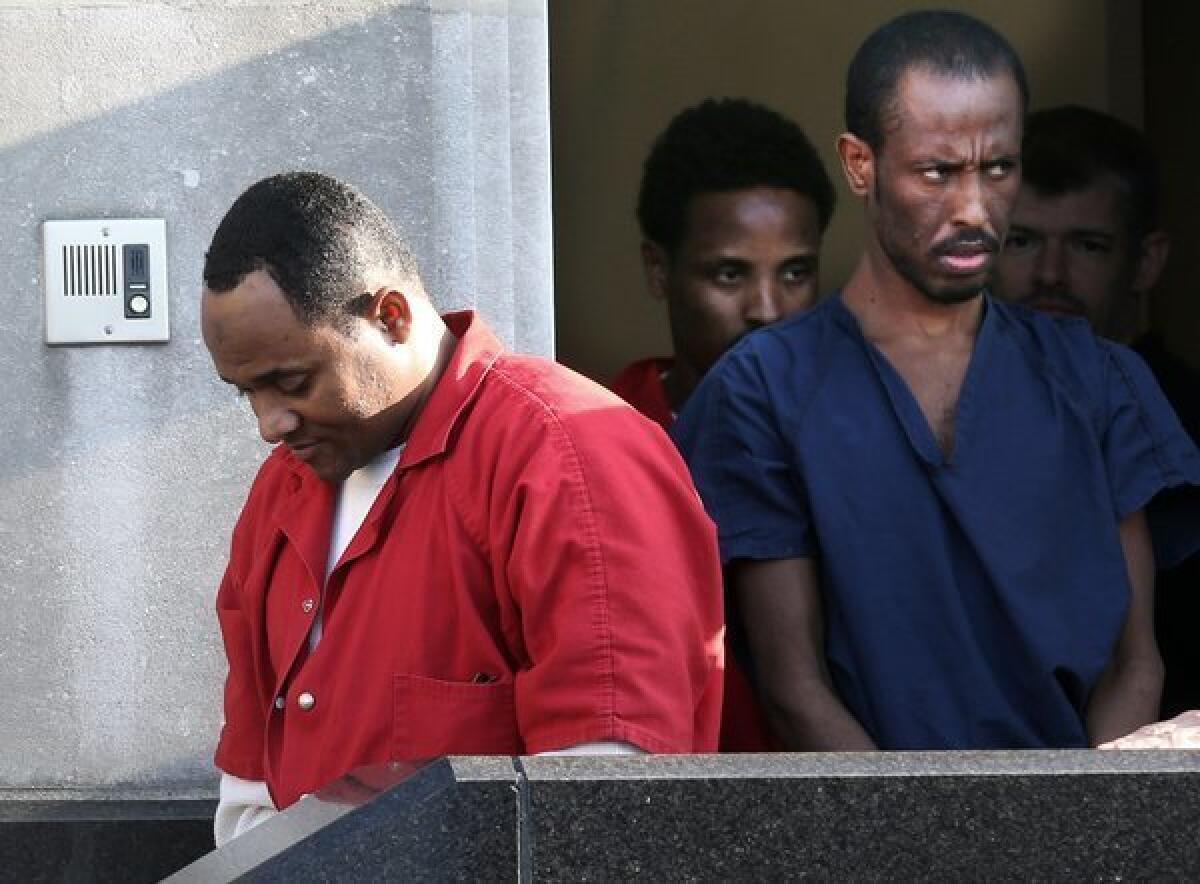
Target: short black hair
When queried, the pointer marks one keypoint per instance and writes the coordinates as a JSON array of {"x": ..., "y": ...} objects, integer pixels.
[
  {"x": 1070, "y": 148},
  {"x": 947, "y": 43},
  {"x": 316, "y": 236},
  {"x": 722, "y": 145}
]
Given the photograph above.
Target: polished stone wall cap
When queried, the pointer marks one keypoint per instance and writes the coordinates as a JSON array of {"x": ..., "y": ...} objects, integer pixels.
[
  {"x": 881, "y": 816},
  {"x": 1077, "y": 815},
  {"x": 386, "y": 822},
  {"x": 1057, "y": 762}
]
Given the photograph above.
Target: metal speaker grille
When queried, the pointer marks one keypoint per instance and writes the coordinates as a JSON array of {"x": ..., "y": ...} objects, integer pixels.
[{"x": 89, "y": 269}]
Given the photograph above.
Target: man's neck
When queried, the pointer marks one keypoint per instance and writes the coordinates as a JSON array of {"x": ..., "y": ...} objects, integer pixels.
[
  {"x": 889, "y": 308},
  {"x": 928, "y": 343},
  {"x": 438, "y": 358},
  {"x": 679, "y": 382}
]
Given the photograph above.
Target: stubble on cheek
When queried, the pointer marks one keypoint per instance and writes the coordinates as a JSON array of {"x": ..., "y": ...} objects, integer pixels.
[{"x": 368, "y": 393}]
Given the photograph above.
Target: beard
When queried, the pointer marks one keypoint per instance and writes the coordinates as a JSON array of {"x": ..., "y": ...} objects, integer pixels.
[
  {"x": 909, "y": 268},
  {"x": 1056, "y": 301},
  {"x": 914, "y": 266}
]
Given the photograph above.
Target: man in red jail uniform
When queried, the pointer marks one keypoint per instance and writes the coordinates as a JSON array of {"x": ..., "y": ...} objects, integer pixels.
[{"x": 452, "y": 549}]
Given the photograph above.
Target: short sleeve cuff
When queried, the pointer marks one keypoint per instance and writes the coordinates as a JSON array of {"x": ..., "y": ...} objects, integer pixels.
[
  {"x": 764, "y": 549},
  {"x": 1153, "y": 465}
]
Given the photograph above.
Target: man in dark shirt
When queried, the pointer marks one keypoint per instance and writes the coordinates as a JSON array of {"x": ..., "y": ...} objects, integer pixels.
[
  {"x": 1085, "y": 240},
  {"x": 733, "y": 203},
  {"x": 940, "y": 514},
  {"x": 734, "y": 200}
]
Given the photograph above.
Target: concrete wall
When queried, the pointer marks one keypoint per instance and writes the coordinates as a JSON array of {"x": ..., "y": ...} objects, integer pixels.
[
  {"x": 124, "y": 467},
  {"x": 621, "y": 70}
]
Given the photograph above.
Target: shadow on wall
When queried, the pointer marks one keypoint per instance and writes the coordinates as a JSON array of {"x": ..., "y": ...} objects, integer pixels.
[{"x": 125, "y": 465}]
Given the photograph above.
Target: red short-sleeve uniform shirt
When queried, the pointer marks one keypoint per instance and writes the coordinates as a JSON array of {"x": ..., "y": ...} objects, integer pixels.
[
  {"x": 538, "y": 572},
  {"x": 641, "y": 385},
  {"x": 744, "y": 726}
]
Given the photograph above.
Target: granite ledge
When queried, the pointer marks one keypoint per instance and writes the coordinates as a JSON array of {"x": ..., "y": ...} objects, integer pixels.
[{"x": 1026, "y": 763}]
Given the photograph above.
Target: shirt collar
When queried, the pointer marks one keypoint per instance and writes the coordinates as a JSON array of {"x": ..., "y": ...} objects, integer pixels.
[
  {"x": 476, "y": 352},
  {"x": 848, "y": 320}
]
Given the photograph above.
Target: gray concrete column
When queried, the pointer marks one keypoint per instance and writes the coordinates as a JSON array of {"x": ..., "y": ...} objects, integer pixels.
[{"x": 123, "y": 468}]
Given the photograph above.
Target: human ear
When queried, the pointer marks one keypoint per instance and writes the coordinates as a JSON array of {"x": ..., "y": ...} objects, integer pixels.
[
  {"x": 1152, "y": 259},
  {"x": 656, "y": 264},
  {"x": 391, "y": 310},
  {"x": 858, "y": 163}
]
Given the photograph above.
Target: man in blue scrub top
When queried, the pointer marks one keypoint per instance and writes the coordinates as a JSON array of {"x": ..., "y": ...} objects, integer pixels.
[{"x": 941, "y": 514}]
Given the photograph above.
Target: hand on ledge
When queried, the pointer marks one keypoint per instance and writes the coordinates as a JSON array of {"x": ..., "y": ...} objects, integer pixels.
[{"x": 1181, "y": 732}]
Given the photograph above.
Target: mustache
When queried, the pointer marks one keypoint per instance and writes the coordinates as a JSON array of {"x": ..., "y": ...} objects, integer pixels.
[
  {"x": 967, "y": 239},
  {"x": 1060, "y": 299}
]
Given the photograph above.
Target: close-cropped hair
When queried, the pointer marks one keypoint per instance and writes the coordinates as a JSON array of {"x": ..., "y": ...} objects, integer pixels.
[
  {"x": 945, "y": 43},
  {"x": 1070, "y": 148},
  {"x": 723, "y": 145},
  {"x": 317, "y": 237}
]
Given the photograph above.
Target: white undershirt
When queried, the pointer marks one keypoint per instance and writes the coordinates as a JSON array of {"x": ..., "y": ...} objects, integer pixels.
[
  {"x": 355, "y": 499},
  {"x": 243, "y": 804}
]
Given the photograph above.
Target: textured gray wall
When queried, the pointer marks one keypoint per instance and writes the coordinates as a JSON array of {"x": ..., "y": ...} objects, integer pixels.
[{"x": 124, "y": 467}]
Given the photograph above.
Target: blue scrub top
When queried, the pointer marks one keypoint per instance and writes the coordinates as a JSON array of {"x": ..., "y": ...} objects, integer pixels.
[{"x": 971, "y": 601}]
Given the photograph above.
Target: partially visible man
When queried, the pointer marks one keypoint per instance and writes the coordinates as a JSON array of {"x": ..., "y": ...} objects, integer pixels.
[
  {"x": 452, "y": 549},
  {"x": 733, "y": 202},
  {"x": 1085, "y": 237},
  {"x": 940, "y": 514},
  {"x": 1086, "y": 240}
]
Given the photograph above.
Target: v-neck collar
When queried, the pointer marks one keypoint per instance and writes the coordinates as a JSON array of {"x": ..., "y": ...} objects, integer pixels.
[{"x": 904, "y": 403}]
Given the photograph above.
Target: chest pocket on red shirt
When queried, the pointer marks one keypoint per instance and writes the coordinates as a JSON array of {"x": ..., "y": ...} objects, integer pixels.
[{"x": 435, "y": 717}]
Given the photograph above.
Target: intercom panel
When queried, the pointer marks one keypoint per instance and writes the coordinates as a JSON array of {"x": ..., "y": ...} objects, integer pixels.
[{"x": 105, "y": 281}]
